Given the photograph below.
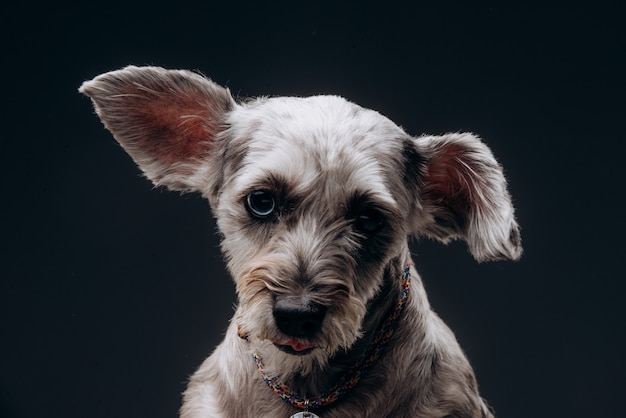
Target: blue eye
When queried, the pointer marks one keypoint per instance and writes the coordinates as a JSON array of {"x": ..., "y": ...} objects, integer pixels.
[{"x": 261, "y": 203}]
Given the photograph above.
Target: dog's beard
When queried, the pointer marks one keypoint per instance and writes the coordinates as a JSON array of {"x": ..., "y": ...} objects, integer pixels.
[
  {"x": 284, "y": 355},
  {"x": 337, "y": 334},
  {"x": 285, "y": 365},
  {"x": 296, "y": 354}
]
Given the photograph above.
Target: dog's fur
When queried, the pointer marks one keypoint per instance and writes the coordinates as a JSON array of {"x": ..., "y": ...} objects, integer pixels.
[{"x": 330, "y": 166}]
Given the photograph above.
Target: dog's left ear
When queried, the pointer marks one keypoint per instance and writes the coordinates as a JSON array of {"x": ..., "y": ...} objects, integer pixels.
[
  {"x": 167, "y": 120},
  {"x": 462, "y": 193}
]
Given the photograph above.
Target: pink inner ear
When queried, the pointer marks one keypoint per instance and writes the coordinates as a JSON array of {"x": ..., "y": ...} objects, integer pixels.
[
  {"x": 449, "y": 182},
  {"x": 173, "y": 127}
]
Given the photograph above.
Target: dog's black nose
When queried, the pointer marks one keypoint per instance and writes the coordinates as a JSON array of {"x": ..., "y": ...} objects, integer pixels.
[{"x": 297, "y": 318}]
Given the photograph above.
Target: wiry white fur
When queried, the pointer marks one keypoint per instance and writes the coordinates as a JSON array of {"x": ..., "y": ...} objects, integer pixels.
[{"x": 326, "y": 161}]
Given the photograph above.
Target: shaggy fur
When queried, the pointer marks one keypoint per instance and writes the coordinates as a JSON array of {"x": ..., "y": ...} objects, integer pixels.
[{"x": 344, "y": 188}]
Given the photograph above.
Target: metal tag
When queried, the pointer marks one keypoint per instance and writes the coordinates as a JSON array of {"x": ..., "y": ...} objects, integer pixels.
[{"x": 304, "y": 414}]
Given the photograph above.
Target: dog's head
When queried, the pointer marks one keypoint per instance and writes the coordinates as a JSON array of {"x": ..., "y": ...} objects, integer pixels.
[{"x": 313, "y": 196}]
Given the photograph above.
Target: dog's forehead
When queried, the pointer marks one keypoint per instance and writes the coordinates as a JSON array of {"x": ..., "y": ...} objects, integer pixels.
[{"x": 304, "y": 139}]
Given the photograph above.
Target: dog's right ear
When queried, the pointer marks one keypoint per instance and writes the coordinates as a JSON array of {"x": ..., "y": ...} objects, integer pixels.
[{"x": 166, "y": 120}]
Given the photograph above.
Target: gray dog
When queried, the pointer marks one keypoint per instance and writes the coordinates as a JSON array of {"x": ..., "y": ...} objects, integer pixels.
[{"x": 315, "y": 199}]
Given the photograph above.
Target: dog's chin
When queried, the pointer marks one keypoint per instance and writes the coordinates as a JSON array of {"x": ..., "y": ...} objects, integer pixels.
[{"x": 287, "y": 356}]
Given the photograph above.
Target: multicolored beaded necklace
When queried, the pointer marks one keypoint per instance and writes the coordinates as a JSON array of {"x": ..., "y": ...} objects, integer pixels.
[{"x": 350, "y": 379}]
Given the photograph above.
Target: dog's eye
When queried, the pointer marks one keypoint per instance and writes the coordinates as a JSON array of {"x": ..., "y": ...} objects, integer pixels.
[
  {"x": 261, "y": 203},
  {"x": 368, "y": 221}
]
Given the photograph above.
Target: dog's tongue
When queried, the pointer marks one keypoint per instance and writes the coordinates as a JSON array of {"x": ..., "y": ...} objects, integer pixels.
[{"x": 297, "y": 345}]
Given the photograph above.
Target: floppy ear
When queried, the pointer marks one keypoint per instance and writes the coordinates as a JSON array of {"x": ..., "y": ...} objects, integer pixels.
[
  {"x": 166, "y": 120},
  {"x": 462, "y": 193}
]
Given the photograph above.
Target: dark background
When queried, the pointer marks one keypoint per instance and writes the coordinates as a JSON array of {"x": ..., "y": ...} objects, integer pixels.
[{"x": 113, "y": 292}]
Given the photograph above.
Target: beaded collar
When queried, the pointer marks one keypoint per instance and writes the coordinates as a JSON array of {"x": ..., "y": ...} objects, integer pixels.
[{"x": 352, "y": 377}]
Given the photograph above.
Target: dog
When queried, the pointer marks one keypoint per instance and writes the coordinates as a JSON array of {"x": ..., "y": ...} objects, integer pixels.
[{"x": 315, "y": 199}]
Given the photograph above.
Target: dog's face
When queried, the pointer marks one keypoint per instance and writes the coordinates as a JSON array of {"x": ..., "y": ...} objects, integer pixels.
[
  {"x": 313, "y": 196},
  {"x": 310, "y": 217}
]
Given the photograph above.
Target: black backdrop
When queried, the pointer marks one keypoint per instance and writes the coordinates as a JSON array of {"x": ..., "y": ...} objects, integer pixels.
[{"x": 113, "y": 292}]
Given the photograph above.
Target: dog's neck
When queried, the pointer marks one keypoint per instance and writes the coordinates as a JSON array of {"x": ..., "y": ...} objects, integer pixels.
[{"x": 378, "y": 310}]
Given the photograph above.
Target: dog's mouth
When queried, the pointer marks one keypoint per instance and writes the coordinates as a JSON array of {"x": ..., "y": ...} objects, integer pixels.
[{"x": 294, "y": 346}]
